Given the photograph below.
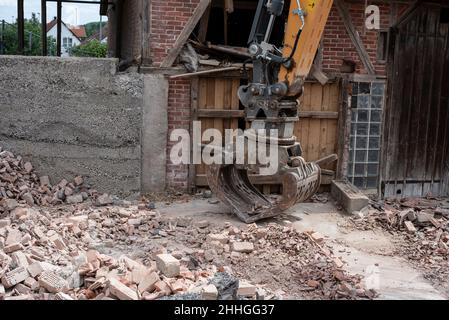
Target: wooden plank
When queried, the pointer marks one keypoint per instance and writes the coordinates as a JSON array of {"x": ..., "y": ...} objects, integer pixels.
[
  {"x": 146, "y": 26},
  {"x": 355, "y": 37},
  {"x": 219, "y": 102},
  {"x": 235, "y": 102},
  {"x": 194, "y": 103},
  {"x": 314, "y": 124},
  {"x": 225, "y": 113},
  {"x": 185, "y": 33},
  {"x": 324, "y": 148}
]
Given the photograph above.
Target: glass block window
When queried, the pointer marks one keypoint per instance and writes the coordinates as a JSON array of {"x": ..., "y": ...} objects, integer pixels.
[{"x": 367, "y": 103}]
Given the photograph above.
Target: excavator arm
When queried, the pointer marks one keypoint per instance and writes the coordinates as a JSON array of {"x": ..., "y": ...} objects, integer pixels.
[{"x": 271, "y": 103}]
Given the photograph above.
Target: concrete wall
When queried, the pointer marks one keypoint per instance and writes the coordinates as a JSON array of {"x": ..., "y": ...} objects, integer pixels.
[{"x": 74, "y": 116}]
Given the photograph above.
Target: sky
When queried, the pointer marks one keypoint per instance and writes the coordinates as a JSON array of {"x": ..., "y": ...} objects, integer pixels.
[{"x": 72, "y": 13}]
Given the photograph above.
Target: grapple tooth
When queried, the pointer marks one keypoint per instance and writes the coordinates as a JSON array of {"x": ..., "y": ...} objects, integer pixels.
[{"x": 233, "y": 187}]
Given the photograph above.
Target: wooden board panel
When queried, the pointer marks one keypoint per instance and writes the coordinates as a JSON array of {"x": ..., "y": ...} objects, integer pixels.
[
  {"x": 416, "y": 134},
  {"x": 219, "y": 108}
]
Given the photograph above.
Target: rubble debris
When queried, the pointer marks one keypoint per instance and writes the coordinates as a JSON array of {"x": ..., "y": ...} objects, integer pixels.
[
  {"x": 410, "y": 227},
  {"x": 21, "y": 186},
  {"x": 52, "y": 282},
  {"x": 121, "y": 291},
  {"x": 246, "y": 289},
  {"x": 168, "y": 265},
  {"x": 420, "y": 229},
  {"x": 76, "y": 251},
  {"x": 349, "y": 196},
  {"x": 227, "y": 286},
  {"x": 243, "y": 247},
  {"x": 210, "y": 292}
]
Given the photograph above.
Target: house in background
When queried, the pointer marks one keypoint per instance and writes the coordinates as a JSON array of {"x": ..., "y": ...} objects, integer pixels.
[
  {"x": 101, "y": 37},
  {"x": 70, "y": 35}
]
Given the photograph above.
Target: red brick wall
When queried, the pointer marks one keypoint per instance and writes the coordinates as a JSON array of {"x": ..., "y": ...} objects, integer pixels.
[
  {"x": 338, "y": 45},
  {"x": 178, "y": 118},
  {"x": 168, "y": 18}
]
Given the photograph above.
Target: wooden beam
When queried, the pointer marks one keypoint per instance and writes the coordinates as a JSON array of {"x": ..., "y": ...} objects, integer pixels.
[
  {"x": 355, "y": 37},
  {"x": 204, "y": 24},
  {"x": 146, "y": 25},
  {"x": 185, "y": 33},
  {"x": 44, "y": 27},
  {"x": 214, "y": 113},
  {"x": 194, "y": 88},
  {"x": 194, "y": 74},
  {"x": 20, "y": 27},
  {"x": 226, "y": 114}
]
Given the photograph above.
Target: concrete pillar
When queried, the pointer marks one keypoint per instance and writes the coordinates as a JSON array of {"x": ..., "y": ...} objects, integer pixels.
[{"x": 154, "y": 133}]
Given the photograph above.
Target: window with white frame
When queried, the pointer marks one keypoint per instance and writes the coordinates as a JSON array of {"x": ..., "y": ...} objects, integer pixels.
[{"x": 67, "y": 42}]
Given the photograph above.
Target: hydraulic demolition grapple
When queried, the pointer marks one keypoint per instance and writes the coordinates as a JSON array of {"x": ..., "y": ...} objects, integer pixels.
[{"x": 271, "y": 102}]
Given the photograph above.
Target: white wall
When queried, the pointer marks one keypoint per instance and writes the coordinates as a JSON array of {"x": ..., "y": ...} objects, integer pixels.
[{"x": 65, "y": 33}]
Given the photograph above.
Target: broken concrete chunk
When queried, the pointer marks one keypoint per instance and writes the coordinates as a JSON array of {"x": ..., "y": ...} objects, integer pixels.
[
  {"x": 242, "y": 247},
  {"x": 52, "y": 282},
  {"x": 78, "y": 198},
  {"x": 318, "y": 237},
  {"x": 28, "y": 167},
  {"x": 45, "y": 181},
  {"x": 121, "y": 291},
  {"x": 351, "y": 198},
  {"x": 78, "y": 180},
  {"x": 209, "y": 292},
  {"x": 218, "y": 237},
  {"x": 226, "y": 285},
  {"x": 19, "y": 259},
  {"x": 148, "y": 282},
  {"x": 19, "y": 212},
  {"x": 14, "y": 277},
  {"x": 410, "y": 227},
  {"x": 9, "y": 204},
  {"x": 63, "y": 296},
  {"x": 35, "y": 269},
  {"x": 28, "y": 197},
  {"x": 168, "y": 265},
  {"x": 104, "y": 200},
  {"x": 13, "y": 247},
  {"x": 246, "y": 289}
]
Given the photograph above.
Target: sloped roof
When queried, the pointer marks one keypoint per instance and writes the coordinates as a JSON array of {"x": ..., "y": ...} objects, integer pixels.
[
  {"x": 96, "y": 35},
  {"x": 78, "y": 32}
]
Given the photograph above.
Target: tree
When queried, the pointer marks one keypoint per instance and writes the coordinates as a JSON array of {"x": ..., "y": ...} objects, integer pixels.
[
  {"x": 93, "y": 48},
  {"x": 32, "y": 45},
  {"x": 93, "y": 27}
]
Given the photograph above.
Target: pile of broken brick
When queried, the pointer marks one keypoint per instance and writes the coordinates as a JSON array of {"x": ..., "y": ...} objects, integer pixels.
[
  {"x": 19, "y": 184},
  {"x": 48, "y": 257},
  {"x": 421, "y": 229},
  {"x": 79, "y": 251}
]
